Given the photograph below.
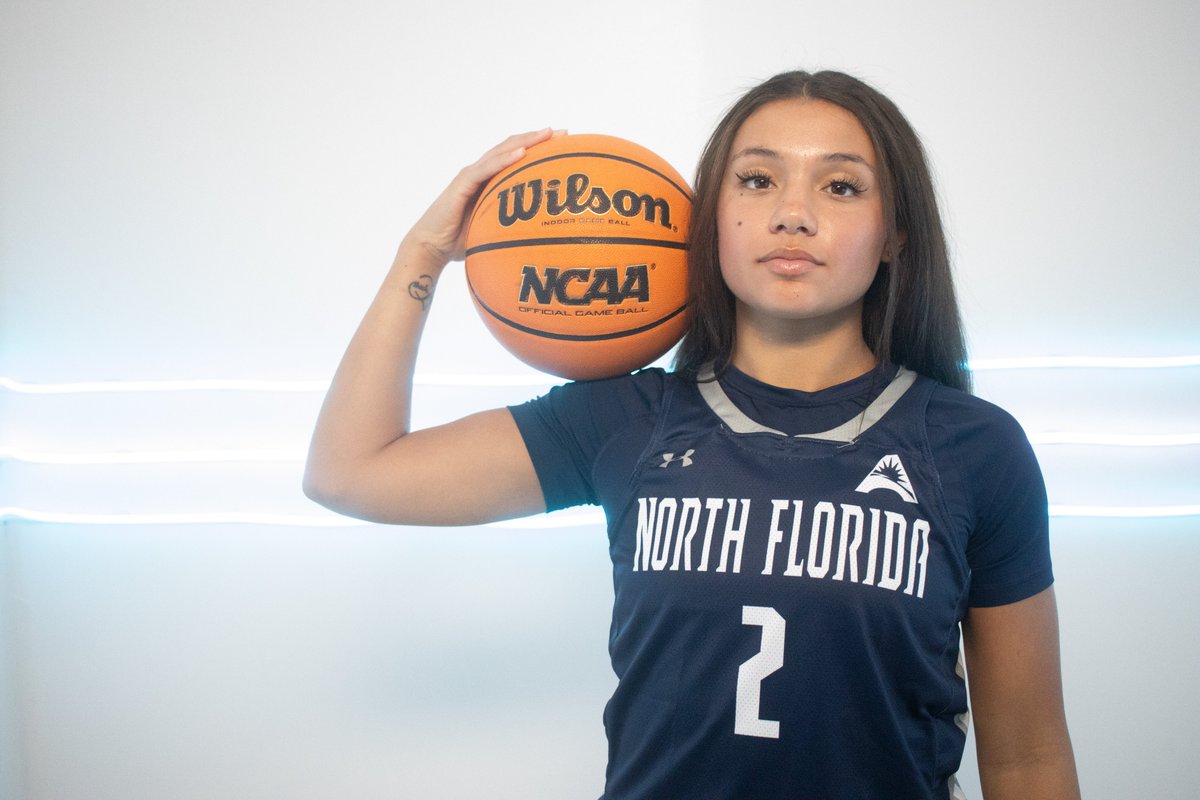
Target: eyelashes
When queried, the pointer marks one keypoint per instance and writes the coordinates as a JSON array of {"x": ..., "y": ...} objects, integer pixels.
[
  {"x": 753, "y": 179},
  {"x": 846, "y": 187},
  {"x": 841, "y": 186}
]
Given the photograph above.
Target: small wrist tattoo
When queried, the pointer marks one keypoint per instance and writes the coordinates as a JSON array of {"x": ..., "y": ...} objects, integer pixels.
[{"x": 421, "y": 289}]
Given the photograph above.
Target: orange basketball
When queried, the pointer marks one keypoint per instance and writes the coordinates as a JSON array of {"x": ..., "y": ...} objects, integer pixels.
[{"x": 577, "y": 256}]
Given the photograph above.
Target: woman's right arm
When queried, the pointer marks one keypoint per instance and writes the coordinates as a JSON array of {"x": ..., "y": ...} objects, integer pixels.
[{"x": 364, "y": 461}]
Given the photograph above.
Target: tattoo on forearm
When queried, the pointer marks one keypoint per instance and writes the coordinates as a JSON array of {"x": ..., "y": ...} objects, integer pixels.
[{"x": 421, "y": 289}]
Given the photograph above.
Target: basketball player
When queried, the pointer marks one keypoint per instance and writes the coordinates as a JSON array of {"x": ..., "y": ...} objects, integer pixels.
[{"x": 803, "y": 516}]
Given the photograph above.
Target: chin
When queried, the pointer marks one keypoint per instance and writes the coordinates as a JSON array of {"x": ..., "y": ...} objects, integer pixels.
[{"x": 785, "y": 312}]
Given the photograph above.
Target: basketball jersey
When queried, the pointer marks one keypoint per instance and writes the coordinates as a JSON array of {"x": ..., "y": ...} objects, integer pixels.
[{"x": 786, "y": 608}]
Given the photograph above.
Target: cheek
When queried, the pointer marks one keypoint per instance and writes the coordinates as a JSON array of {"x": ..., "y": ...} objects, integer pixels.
[
  {"x": 871, "y": 250},
  {"x": 730, "y": 243},
  {"x": 869, "y": 245},
  {"x": 728, "y": 235}
]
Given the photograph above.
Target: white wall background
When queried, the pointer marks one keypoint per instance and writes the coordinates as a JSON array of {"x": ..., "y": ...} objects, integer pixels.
[{"x": 214, "y": 189}]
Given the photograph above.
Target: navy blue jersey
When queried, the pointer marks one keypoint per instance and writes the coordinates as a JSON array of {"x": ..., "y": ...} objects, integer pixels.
[{"x": 790, "y": 571}]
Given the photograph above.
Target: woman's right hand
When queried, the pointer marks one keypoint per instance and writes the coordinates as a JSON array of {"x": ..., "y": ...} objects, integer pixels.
[
  {"x": 364, "y": 460},
  {"x": 442, "y": 229}
]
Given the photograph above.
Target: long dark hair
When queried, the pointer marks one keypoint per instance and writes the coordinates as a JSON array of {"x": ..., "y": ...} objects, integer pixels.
[{"x": 910, "y": 314}]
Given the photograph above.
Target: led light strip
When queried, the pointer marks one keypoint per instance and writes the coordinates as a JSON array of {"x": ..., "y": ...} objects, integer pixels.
[
  {"x": 239, "y": 385},
  {"x": 202, "y": 518},
  {"x": 1084, "y": 362},
  {"x": 542, "y": 521},
  {"x": 535, "y": 379},
  {"x": 213, "y": 385},
  {"x": 150, "y": 457},
  {"x": 1117, "y": 439},
  {"x": 297, "y": 456},
  {"x": 1125, "y": 511},
  {"x": 543, "y": 379}
]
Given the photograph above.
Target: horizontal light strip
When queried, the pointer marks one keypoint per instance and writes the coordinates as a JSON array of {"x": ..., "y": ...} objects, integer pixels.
[
  {"x": 1117, "y": 439},
  {"x": 202, "y": 518},
  {"x": 298, "y": 456},
  {"x": 1084, "y": 362},
  {"x": 214, "y": 385},
  {"x": 1125, "y": 511},
  {"x": 238, "y": 385},
  {"x": 151, "y": 457},
  {"x": 539, "y": 378},
  {"x": 544, "y": 521},
  {"x": 541, "y": 521}
]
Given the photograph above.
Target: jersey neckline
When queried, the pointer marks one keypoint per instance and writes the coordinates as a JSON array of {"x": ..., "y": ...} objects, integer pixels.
[{"x": 849, "y": 431}]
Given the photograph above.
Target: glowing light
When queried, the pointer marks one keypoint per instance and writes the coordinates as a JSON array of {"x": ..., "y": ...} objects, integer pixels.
[
  {"x": 1084, "y": 362},
  {"x": 543, "y": 521},
  {"x": 571, "y": 518},
  {"x": 202, "y": 385},
  {"x": 174, "y": 518},
  {"x": 1125, "y": 511},
  {"x": 250, "y": 385},
  {"x": 540, "y": 378},
  {"x": 150, "y": 457},
  {"x": 560, "y": 519},
  {"x": 297, "y": 456},
  {"x": 1117, "y": 439}
]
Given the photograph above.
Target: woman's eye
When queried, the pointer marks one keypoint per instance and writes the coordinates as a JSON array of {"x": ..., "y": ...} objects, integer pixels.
[
  {"x": 846, "y": 188},
  {"x": 754, "y": 180}
]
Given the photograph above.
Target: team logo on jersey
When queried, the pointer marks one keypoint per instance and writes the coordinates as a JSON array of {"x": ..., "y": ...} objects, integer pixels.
[
  {"x": 685, "y": 460},
  {"x": 890, "y": 474}
]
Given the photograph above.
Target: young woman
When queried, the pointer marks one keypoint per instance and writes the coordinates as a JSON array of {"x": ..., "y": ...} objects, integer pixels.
[{"x": 803, "y": 517}]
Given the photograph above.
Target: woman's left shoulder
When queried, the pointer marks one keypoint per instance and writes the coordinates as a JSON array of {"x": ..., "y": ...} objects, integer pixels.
[{"x": 964, "y": 414}]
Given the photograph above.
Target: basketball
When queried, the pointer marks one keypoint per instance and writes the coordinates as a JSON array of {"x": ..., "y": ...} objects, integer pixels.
[{"x": 577, "y": 256}]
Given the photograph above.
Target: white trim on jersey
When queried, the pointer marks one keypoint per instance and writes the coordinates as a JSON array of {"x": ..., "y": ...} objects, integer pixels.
[{"x": 845, "y": 433}]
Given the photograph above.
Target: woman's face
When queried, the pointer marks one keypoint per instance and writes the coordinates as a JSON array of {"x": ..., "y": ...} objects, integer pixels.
[{"x": 800, "y": 217}]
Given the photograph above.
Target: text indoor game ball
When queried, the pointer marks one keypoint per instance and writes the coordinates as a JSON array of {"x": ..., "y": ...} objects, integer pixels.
[{"x": 577, "y": 256}]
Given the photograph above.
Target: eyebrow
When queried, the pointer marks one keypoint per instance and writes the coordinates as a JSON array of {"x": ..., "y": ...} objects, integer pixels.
[{"x": 767, "y": 152}]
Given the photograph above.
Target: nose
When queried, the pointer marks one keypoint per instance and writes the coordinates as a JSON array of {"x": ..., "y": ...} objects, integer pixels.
[{"x": 793, "y": 214}]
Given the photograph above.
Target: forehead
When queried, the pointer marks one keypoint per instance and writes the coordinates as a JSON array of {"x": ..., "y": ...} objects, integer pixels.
[{"x": 800, "y": 127}]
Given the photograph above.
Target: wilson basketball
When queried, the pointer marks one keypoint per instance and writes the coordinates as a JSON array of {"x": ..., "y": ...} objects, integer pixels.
[{"x": 577, "y": 256}]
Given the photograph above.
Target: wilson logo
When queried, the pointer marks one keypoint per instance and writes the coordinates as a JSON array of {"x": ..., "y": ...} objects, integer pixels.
[
  {"x": 525, "y": 200},
  {"x": 583, "y": 286}
]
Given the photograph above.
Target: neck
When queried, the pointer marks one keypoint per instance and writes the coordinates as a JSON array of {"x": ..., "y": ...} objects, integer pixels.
[{"x": 811, "y": 361}]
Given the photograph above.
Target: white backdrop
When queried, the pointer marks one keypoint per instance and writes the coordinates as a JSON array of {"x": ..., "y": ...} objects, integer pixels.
[{"x": 213, "y": 190}]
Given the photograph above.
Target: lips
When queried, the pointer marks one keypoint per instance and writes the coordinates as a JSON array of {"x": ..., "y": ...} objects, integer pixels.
[
  {"x": 790, "y": 262},
  {"x": 786, "y": 254}
]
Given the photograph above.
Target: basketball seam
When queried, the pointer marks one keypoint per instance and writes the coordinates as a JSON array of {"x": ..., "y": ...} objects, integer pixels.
[{"x": 576, "y": 240}]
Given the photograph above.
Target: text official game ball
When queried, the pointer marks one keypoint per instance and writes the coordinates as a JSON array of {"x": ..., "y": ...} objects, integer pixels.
[{"x": 577, "y": 256}]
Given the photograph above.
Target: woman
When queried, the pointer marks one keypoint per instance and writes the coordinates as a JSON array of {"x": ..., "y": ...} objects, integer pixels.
[{"x": 801, "y": 516}]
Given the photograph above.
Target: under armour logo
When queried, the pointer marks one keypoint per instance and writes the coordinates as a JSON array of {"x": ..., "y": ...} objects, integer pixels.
[{"x": 685, "y": 459}]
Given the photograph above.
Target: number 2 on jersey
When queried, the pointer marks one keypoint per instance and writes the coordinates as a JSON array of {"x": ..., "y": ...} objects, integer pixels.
[{"x": 768, "y": 659}]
